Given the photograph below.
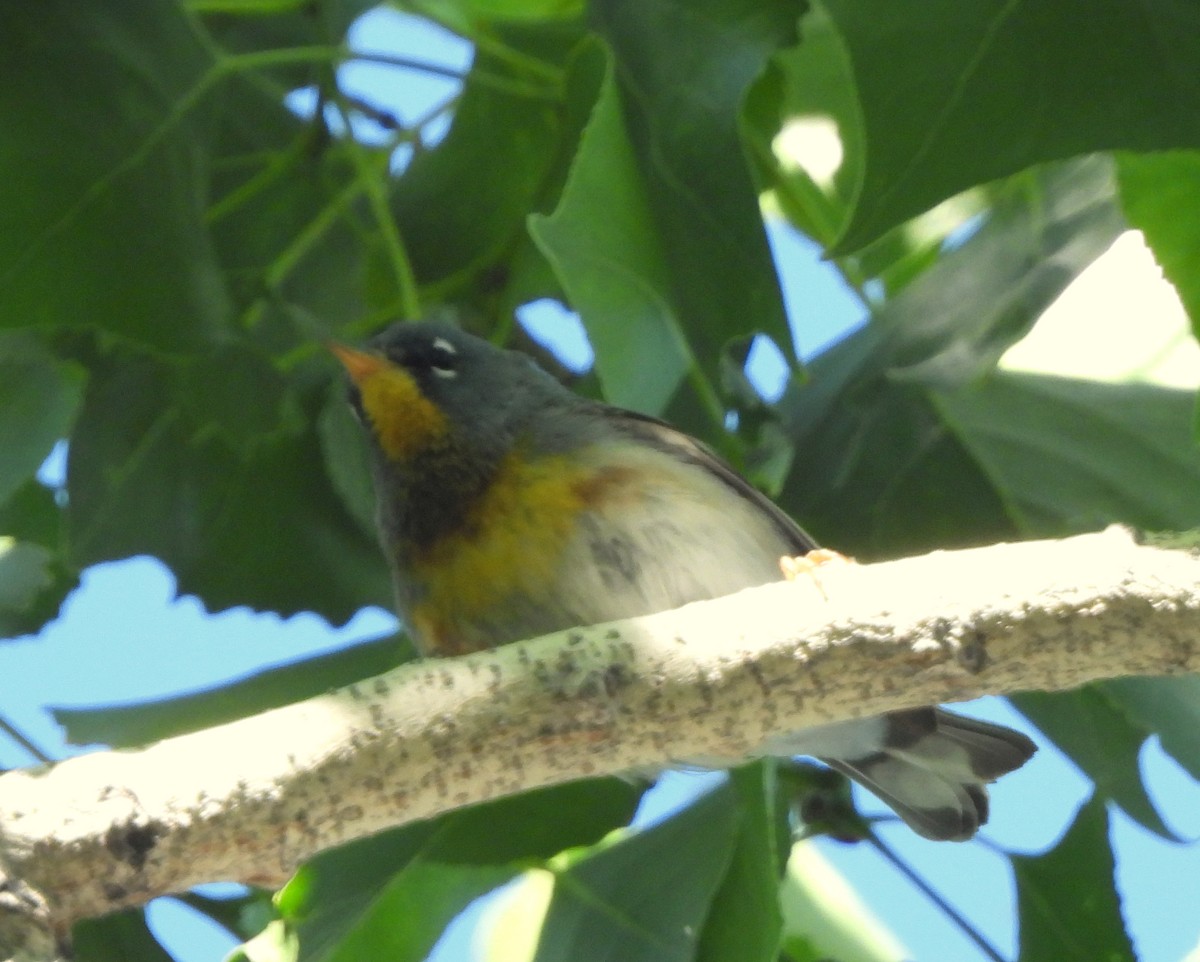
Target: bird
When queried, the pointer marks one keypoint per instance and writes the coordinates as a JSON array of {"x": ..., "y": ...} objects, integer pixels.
[{"x": 510, "y": 507}]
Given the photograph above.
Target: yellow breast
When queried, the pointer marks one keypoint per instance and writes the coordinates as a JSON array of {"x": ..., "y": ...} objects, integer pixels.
[{"x": 510, "y": 546}]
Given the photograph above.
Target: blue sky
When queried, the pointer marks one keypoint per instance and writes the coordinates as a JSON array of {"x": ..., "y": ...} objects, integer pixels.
[{"x": 131, "y": 606}]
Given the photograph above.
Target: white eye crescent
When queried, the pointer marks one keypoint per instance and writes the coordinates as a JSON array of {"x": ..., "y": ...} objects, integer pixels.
[{"x": 442, "y": 357}]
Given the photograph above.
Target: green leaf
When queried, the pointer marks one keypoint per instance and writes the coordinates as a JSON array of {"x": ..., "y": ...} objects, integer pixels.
[
  {"x": 233, "y": 519},
  {"x": 465, "y": 13},
  {"x": 26, "y": 574},
  {"x": 1100, "y": 737},
  {"x": 110, "y": 234},
  {"x": 326, "y": 898},
  {"x": 39, "y": 396},
  {"x": 401, "y": 888},
  {"x": 409, "y": 914},
  {"x": 346, "y": 459},
  {"x": 286, "y": 218},
  {"x": 23, "y": 573},
  {"x": 683, "y": 69},
  {"x": 34, "y": 581},
  {"x": 609, "y": 260},
  {"x": 245, "y": 8},
  {"x": 245, "y": 26},
  {"x": 242, "y": 916},
  {"x": 1070, "y": 456},
  {"x": 958, "y": 113},
  {"x": 744, "y": 921},
  {"x": 1067, "y": 900},
  {"x": 251, "y": 96},
  {"x": 645, "y": 897},
  {"x": 1168, "y": 707},
  {"x": 127, "y": 726},
  {"x": 119, "y": 937},
  {"x": 462, "y": 205},
  {"x": 884, "y": 468},
  {"x": 804, "y": 128},
  {"x": 1157, "y": 194},
  {"x": 250, "y": 403},
  {"x": 583, "y": 812},
  {"x": 32, "y": 513}
]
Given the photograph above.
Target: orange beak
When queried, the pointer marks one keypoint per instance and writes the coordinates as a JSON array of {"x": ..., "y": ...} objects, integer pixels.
[{"x": 360, "y": 365}]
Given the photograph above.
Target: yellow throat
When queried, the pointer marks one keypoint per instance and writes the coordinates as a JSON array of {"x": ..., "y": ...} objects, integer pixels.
[{"x": 404, "y": 421}]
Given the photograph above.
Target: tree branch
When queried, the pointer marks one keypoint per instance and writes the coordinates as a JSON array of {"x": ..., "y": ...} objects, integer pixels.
[{"x": 250, "y": 800}]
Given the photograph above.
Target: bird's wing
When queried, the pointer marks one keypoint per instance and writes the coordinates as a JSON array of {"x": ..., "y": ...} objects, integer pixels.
[{"x": 679, "y": 445}]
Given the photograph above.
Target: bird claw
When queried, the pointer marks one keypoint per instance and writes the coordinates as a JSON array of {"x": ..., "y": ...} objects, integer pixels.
[{"x": 807, "y": 565}]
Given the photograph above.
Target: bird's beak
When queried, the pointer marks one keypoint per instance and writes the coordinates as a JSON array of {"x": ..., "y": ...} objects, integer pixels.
[{"x": 360, "y": 365}]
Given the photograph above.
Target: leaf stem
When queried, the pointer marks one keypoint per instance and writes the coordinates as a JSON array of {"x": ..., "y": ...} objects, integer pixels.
[
  {"x": 276, "y": 166},
  {"x": 373, "y": 184},
  {"x": 518, "y": 60},
  {"x": 287, "y": 259}
]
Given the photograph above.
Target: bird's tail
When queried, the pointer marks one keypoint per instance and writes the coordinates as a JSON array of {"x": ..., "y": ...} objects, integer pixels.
[{"x": 934, "y": 767}]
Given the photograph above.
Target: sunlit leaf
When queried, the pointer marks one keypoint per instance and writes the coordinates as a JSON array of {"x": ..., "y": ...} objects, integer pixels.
[{"x": 1156, "y": 194}]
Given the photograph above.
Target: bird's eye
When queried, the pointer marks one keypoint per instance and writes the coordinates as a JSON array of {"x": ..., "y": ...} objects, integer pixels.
[{"x": 443, "y": 358}]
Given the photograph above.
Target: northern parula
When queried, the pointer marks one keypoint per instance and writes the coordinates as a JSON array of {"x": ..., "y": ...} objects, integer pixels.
[{"x": 509, "y": 507}]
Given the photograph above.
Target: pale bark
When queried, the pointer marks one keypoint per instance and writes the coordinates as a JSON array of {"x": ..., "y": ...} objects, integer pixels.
[{"x": 250, "y": 800}]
